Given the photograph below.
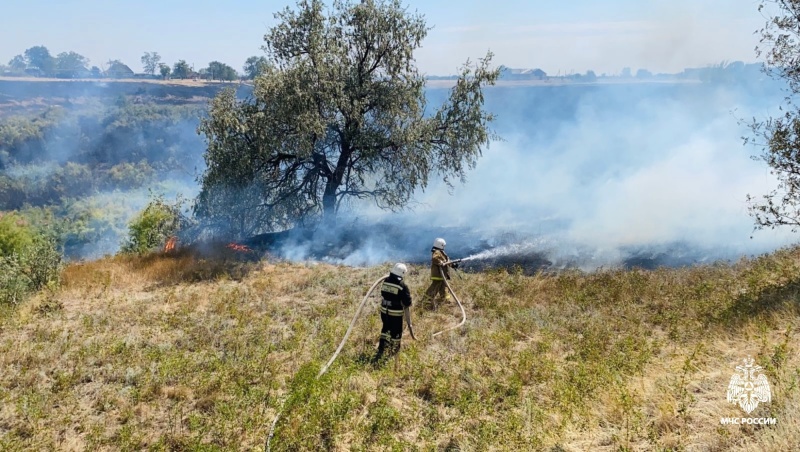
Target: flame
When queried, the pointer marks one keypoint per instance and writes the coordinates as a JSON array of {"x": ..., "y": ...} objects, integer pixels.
[
  {"x": 170, "y": 244},
  {"x": 240, "y": 248}
]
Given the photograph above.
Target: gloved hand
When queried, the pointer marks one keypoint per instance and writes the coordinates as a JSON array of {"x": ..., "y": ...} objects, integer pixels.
[{"x": 455, "y": 264}]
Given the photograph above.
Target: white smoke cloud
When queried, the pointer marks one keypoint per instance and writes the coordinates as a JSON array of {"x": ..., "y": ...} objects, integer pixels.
[{"x": 601, "y": 172}]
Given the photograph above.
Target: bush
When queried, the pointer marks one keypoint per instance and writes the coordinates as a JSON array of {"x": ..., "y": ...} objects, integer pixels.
[
  {"x": 73, "y": 180},
  {"x": 13, "y": 285},
  {"x": 42, "y": 263},
  {"x": 128, "y": 175},
  {"x": 29, "y": 261},
  {"x": 12, "y": 193},
  {"x": 153, "y": 226},
  {"x": 15, "y": 234}
]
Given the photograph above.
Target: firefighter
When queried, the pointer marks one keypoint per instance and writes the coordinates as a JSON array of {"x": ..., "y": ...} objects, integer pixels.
[
  {"x": 439, "y": 271},
  {"x": 396, "y": 297}
]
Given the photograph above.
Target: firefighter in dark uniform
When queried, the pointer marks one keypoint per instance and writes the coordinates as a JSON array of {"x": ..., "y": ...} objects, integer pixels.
[{"x": 396, "y": 297}]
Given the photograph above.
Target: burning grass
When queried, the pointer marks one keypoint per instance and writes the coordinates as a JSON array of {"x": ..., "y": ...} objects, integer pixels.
[{"x": 171, "y": 351}]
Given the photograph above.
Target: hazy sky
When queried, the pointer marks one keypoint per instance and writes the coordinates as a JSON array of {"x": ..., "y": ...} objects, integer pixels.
[{"x": 557, "y": 36}]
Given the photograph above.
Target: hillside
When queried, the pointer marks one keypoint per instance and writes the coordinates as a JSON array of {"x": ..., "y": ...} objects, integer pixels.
[
  {"x": 176, "y": 353},
  {"x": 31, "y": 95},
  {"x": 20, "y": 95}
]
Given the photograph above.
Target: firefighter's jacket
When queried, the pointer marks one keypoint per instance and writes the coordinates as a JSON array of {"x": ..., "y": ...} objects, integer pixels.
[
  {"x": 438, "y": 258},
  {"x": 396, "y": 296}
]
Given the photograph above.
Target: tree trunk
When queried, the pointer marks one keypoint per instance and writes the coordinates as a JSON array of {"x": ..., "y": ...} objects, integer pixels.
[
  {"x": 333, "y": 183},
  {"x": 329, "y": 201}
]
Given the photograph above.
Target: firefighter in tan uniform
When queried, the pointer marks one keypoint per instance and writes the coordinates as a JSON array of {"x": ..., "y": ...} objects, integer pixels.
[
  {"x": 439, "y": 271},
  {"x": 396, "y": 298}
]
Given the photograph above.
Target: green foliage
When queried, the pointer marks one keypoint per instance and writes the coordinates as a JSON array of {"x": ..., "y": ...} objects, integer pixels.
[
  {"x": 122, "y": 146},
  {"x": 42, "y": 263},
  {"x": 87, "y": 227},
  {"x": 255, "y": 66},
  {"x": 164, "y": 70},
  {"x": 73, "y": 180},
  {"x": 13, "y": 285},
  {"x": 779, "y": 137},
  {"x": 150, "y": 62},
  {"x": 23, "y": 139},
  {"x": 70, "y": 65},
  {"x": 12, "y": 193},
  {"x": 39, "y": 58},
  {"x": 15, "y": 234},
  {"x": 181, "y": 69},
  {"x": 17, "y": 64},
  {"x": 219, "y": 71},
  {"x": 153, "y": 226},
  {"x": 338, "y": 113},
  {"x": 29, "y": 261},
  {"x": 129, "y": 175}
]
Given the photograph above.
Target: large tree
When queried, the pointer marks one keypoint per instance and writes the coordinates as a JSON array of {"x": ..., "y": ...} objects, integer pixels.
[
  {"x": 70, "y": 64},
  {"x": 150, "y": 62},
  {"x": 220, "y": 71},
  {"x": 38, "y": 57},
  {"x": 18, "y": 64},
  {"x": 254, "y": 66},
  {"x": 780, "y": 136},
  {"x": 338, "y": 113},
  {"x": 181, "y": 69},
  {"x": 164, "y": 70}
]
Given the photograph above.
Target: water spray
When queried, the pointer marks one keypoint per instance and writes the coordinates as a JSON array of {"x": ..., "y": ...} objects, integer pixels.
[{"x": 526, "y": 247}]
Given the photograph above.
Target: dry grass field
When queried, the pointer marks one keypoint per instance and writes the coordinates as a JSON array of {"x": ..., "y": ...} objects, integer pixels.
[
  {"x": 173, "y": 352},
  {"x": 30, "y": 95}
]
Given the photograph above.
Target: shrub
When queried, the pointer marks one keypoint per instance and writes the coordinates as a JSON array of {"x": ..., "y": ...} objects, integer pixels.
[
  {"x": 42, "y": 263},
  {"x": 73, "y": 180},
  {"x": 15, "y": 234},
  {"x": 29, "y": 261},
  {"x": 129, "y": 175},
  {"x": 13, "y": 285},
  {"x": 152, "y": 226},
  {"x": 12, "y": 193}
]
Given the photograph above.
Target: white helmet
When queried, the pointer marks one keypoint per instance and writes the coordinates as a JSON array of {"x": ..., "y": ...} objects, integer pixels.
[
  {"x": 399, "y": 269},
  {"x": 439, "y": 243}
]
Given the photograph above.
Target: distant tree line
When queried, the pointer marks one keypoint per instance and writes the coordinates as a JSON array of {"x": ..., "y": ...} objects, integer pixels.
[
  {"x": 724, "y": 72},
  {"x": 37, "y": 61}
]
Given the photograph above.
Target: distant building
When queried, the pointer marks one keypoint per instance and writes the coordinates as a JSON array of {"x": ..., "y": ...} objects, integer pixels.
[
  {"x": 119, "y": 70},
  {"x": 508, "y": 73}
]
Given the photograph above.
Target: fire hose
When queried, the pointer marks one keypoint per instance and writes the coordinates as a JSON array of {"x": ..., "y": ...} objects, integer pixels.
[
  {"x": 336, "y": 353},
  {"x": 406, "y": 315},
  {"x": 352, "y": 324},
  {"x": 463, "y": 312}
]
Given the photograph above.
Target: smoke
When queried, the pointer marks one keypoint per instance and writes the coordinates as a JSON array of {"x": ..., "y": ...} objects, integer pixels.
[
  {"x": 95, "y": 154},
  {"x": 589, "y": 176}
]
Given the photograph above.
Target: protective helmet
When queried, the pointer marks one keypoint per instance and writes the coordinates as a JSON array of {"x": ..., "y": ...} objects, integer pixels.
[
  {"x": 399, "y": 269},
  {"x": 439, "y": 243}
]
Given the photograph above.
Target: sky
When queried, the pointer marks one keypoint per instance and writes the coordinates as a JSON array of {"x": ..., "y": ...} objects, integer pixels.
[{"x": 557, "y": 36}]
